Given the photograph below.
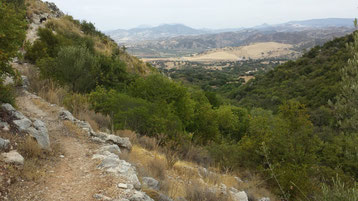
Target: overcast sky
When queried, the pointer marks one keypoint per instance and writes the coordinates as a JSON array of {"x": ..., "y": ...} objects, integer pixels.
[{"x": 115, "y": 14}]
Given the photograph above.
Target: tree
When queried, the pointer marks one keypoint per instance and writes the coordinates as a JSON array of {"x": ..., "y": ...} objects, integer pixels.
[
  {"x": 74, "y": 66},
  {"x": 12, "y": 34},
  {"x": 346, "y": 105}
]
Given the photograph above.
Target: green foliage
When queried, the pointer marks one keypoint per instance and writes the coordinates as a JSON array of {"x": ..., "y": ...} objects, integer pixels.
[
  {"x": 160, "y": 90},
  {"x": 312, "y": 79},
  {"x": 346, "y": 106},
  {"x": 232, "y": 121},
  {"x": 6, "y": 94},
  {"x": 111, "y": 72},
  {"x": 12, "y": 33},
  {"x": 74, "y": 66},
  {"x": 339, "y": 191},
  {"x": 135, "y": 113}
]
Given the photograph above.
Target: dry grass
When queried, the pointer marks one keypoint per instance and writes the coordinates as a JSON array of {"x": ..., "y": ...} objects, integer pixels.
[
  {"x": 197, "y": 191},
  {"x": 103, "y": 45},
  {"x": 30, "y": 148},
  {"x": 129, "y": 134},
  {"x": 148, "y": 143},
  {"x": 72, "y": 128},
  {"x": 35, "y": 7},
  {"x": 65, "y": 24},
  {"x": 176, "y": 182}
]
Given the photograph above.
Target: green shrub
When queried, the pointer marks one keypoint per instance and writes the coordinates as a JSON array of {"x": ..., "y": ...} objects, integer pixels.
[
  {"x": 6, "y": 94},
  {"x": 74, "y": 67},
  {"x": 339, "y": 191}
]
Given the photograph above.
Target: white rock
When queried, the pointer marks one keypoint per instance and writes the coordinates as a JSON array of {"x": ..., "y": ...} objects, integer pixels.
[
  {"x": 101, "y": 197},
  {"x": 39, "y": 131},
  {"x": 238, "y": 195},
  {"x": 66, "y": 115},
  {"x": 13, "y": 157},
  {"x": 8, "y": 81},
  {"x": 140, "y": 196},
  {"x": 22, "y": 124},
  {"x": 4, "y": 126},
  {"x": 121, "y": 185},
  {"x": 150, "y": 183},
  {"x": 111, "y": 148},
  {"x": 238, "y": 180},
  {"x": 265, "y": 199},
  {"x": 25, "y": 81},
  {"x": 4, "y": 144},
  {"x": 121, "y": 142},
  {"x": 7, "y": 107},
  {"x": 223, "y": 189}
]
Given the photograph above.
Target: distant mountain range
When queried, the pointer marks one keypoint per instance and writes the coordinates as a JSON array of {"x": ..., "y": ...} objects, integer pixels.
[
  {"x": 174, "y": 30},
  {"x": 179, "y": 40}
]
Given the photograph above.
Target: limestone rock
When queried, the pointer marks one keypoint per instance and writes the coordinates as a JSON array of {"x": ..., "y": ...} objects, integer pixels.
[
  {"x": 238, "y": 195},
  {"x": 140, "y": 196},
  {"x": 101, "y": 197},
  {"x": 22, "y": 124},
  {"x": 4, "y": 144},
  {"x": 8, "y": 81},
  {"x": 265, "y": 199},
  {"x": 111, "y": 148},
  {"x": 4, "y": 126},
  {"x": 39, "y": 131},
  {"x": 150, "y": 183},
  {"x": 163, "y": 197},
  {"x": 123, "y": 186},
  {"x": 13, "y": 157},
  {"x": 121, "y": 142},
  {"x": 66, "y": 115},
  {"x": 7, "y": 107},
  {"x": 111, "y": 163},
  {"x": 25, "y": 81}
]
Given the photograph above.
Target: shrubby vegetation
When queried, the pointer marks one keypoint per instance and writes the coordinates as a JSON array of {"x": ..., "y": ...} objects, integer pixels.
[
  {"x": 12, "y": 35},
  {"x": 284, "y": 127}
]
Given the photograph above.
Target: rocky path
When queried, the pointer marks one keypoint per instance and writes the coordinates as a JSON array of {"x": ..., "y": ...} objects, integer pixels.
[{"x": 74, "y": 175}]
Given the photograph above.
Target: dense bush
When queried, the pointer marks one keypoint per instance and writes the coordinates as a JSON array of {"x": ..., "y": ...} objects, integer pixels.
[{"x": 12, "y": 34}]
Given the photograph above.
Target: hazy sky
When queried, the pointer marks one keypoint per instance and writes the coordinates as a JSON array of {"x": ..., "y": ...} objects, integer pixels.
[{"x": 114, "y": 14}]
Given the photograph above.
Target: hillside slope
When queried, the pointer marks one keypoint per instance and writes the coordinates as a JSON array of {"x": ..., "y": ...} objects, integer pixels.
[
  {"x": 313, "y": 79},
  {"x": 70, "y": 28}
]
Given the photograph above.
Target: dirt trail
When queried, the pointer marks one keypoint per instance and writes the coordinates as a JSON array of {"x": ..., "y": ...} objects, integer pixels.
[{"x": 74, "y": 175}]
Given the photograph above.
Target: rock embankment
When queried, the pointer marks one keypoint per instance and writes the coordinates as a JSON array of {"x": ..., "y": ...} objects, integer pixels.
[
  {"x": 108, "y": 156},
  {"x": 22, "y": 124}
]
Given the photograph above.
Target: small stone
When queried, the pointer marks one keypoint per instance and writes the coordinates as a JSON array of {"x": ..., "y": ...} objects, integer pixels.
[
  {"x": 238, "y": 180},
  {"x": 150, "y": 183},
  {"x": 66, "y": 115},
  {"x": 265, "y": 199},
  {"x": 163, "y": 197},
  {"x": 13, "y": 157},
  {"x": 62, "y": 156},
  {"x": 238, "y": 195},
  {"x": 123, "y": 186},
  {"x": 4, "y": 144},
  {"x": 101, "y": 197},
  {"x": 22, "y": 124},
  {"x": 137, "y": 186},
  {"x": 140, "y": 196}
]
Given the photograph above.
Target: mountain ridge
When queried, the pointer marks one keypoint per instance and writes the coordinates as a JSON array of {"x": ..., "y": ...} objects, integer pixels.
[{"x": 177, "y": 29}]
